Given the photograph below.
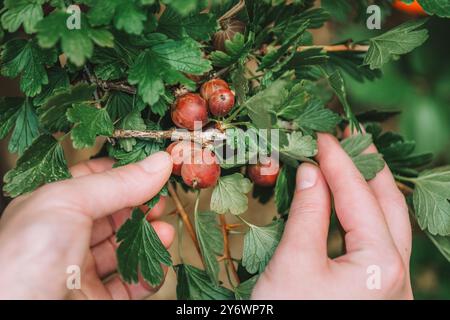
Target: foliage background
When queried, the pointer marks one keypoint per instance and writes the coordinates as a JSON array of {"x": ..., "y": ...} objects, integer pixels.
[{"x": 418, "y": 85}]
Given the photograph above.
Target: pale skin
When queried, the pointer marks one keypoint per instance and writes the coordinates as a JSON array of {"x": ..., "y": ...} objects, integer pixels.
[{"x": 73, "y": 222}]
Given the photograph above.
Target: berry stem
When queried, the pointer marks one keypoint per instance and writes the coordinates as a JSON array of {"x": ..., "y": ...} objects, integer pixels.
[
  {"x": 232, "y": 12},
  {"x": 226, "y": 248},
  {"x": 185, "y": 217}
]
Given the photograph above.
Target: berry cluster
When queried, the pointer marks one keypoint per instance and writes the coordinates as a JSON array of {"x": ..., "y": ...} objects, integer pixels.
[{"x": 198, "y": 166}]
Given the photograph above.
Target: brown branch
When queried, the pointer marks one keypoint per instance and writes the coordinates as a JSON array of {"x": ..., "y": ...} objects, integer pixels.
[
  {"x": 337, "y": 48},
  {"x": 175, "y": 134},
  {"x": 185, "y": 217},
  {"x": 116, "y": 86},
  {"x": 233, "y": 11},
  {"x": 404, "y": 188},
  {"x": 226, "y": 248}
]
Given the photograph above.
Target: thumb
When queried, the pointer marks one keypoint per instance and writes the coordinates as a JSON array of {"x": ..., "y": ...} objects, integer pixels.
[
  {"x": 306, "y": 230},
  {"x": 103, "y": 193}
]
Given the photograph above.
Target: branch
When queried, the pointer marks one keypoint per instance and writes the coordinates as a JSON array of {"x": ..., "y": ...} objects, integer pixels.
[
  {"x": 117, "y": 86},
  {"x": 404, "y": 188},
  {"x": 226, "y": 248},
  {"x": 184, "y": 216},
  {"x": 337, "y": 48},
  {"x": 233, "y": 11},
  {"x": 174, "y": 134}
]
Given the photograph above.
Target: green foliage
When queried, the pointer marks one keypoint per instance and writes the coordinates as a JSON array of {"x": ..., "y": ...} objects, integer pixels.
[
  {"x": 122, "y": 70},
  {"x": 140, "y": 249},
  {"x": 77, "y": 44},
  {"x": 26, "y": 58},
  {"x": 400, "y": 40},
  {"x": 260, "y": 244},
  {"x": 210, "y": 240},
  {"x": 431, "y": 200},
  {"x": 43, "y": 162},
  {"x": 90, "y": 122},
  {"x": 230, "y": 194},
  {"x": 194, "y": 284},
  {"x": 369, "y": 164}
]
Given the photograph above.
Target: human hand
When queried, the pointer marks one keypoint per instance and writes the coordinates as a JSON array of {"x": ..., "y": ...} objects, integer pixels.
[
  {"x": 73, "y": 222},
  {"x": 377, "y": 229}
]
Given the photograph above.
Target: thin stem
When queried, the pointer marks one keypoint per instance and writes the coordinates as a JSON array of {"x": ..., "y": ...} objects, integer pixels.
[
  {"x": 337, "y": 48},
  {"x": 232, "y": 12},
  {"x": 180, "y": 238},
  {"x": 185, "y": 217},
  {"x": 404, "y": 188},
  {"x": 404, "y": 179},
  {"x": 226, "y": 248}
]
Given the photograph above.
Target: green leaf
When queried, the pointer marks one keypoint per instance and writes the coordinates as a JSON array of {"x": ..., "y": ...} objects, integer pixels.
[
  {"x": 244, "y": 290},
  {"x": 146, "y": 73},
  {"x": 119, "y": 104},
  {"x": 337, "y": 83},
  {"x": 166, "y": 62},
  {"x": 368, "y": 164},
  {"x": 43, "y": 162},
  {"x": 229, "y": 194},
  {"x": 437, "y": 7},
  {"x": 262, "y": 106},
  {"x": 431, "y": 200},
  {"x": 300, "y": 147},
  {"x": 273, "y": 57},
  {"x": 260, "y": 244},
  {"x": 140, "y": 249},
  {"x": 236, "y": 50},
  {"x": 77, "y": 44},
  {"x": 194, "y": 284},
  {"x": 132, "y": 121},
  {"x": 397, "y": 152},
  {"x": 210, "y": 240},
  {"x": 141, "y": 150},
  {"x": 199, "y": 26},
  {"x": 26, "y": 130},
  {"x": 442, "y": 243},
  {"x": 26, "y": 12},
  {"x": 316, "y": 117},
  {"x": 398, "y": 41},
  {"x": 52, "y": 115},
  {"x": 127, "y": 15},
  {"x": 9, "y": 110},
  {"x": 90, "y": 122},
  {"x": 28, "y": 59},
  {"x": 284, "y": 189},
  {"x": 58, "y": 81}
]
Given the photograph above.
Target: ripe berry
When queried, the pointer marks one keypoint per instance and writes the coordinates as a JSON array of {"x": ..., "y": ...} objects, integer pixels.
[
  {"x": 414, "y": 8},
  {"x": 189, "y": 109},
  {"x": 202, "y": 171},
  {"x": 221, "y": 102},
  {"x": 211, "y": 86},
  {"x": 179, "y": 151},
  {"x": 264, "y": 174},
  {"x": 229, "y": 30}
]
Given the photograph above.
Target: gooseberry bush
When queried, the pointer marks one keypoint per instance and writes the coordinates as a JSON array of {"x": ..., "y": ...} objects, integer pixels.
[{"x": 205, "y": 80}]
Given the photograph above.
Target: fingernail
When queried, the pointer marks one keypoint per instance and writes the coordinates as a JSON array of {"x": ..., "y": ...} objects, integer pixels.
[
  {"x": 307, "y": 176},
  {"x": 156, "y": 163}
]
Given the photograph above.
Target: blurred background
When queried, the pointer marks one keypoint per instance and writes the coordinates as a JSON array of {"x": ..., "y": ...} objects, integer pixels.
[{"x": 418, "y": 85}]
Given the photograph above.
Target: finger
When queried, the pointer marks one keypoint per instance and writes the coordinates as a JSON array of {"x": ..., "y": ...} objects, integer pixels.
[
  {"x": 306, "y": 230},
  {"x": 100, "y": 194},
  {"x": 119, "y": 290},
  {"x": 356, "y": 207},
  {"x": 92, "y": 166},
  {"x": 107, "y": 226},
  {"x": 105, "y": 253},
  {"x": 393, "y": 205}
]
